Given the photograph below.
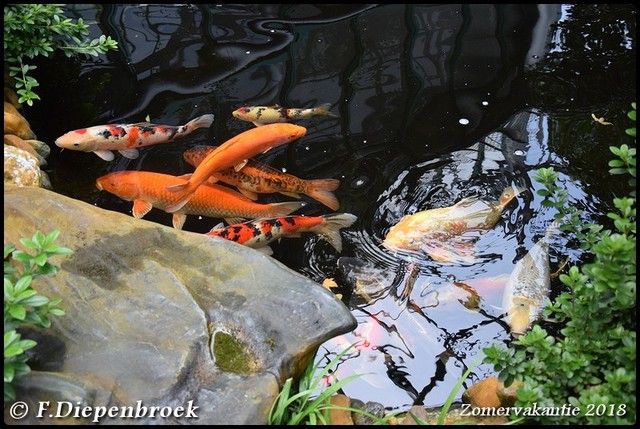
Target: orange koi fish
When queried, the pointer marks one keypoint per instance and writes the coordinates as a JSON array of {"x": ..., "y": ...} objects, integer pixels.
[
  {"x": 126, "y": 138},
  {"x": 261, "y": 115},
  {"x": 258, "y": 234},
  {"x": 235, "y": 152},
  {"x": 258, "y": 178},
  {"x": 148, "y": 190},
  {"x": 427, "y": 230}
]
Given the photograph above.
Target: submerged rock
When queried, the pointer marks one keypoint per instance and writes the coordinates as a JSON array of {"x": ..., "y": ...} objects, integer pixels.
[{"x": 143, "y": 302}]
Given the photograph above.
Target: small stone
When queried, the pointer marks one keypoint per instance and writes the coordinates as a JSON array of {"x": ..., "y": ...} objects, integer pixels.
[
  {"x": 21, "y": 168},
  {"x": 370, "y": 407},
  {"x": 341, "y": 416},
  {"x": 483, "y": 393},
  {"x": 508, "y": 395},
  {"x": 419, "y": 412}
]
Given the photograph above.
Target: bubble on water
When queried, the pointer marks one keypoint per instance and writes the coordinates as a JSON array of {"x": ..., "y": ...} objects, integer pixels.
[
  {"x": 485, "y": 103},
  {"x": 319, "y": 40},
  {"x": 518, "y": 152},
  {"x": 247, "y": 52},
  {"x": 306, "y": 148},
  {"x": 364, "y": 141},
  {"x": 463, "y": 121},
  {"x": 359, "y": 182},
  {"x": 284, "y": 170},
  {"x": 272, "y": 31},
  {"x": 535, "y": 57}
]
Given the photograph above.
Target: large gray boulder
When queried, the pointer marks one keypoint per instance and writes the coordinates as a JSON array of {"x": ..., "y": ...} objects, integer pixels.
[{"x": 157, "y": 317}]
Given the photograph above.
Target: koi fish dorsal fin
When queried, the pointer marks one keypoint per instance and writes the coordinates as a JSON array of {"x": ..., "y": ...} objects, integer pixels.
[
  {"x": 233, "y": 220},
  {"x": 239, "y": 166}
]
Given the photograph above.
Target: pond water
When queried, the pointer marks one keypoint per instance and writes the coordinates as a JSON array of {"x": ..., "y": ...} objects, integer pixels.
[{"x": 434, "y": 103}]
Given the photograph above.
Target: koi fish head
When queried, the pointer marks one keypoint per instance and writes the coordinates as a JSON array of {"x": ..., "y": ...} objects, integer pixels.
[
  {"x": 289, "y": 132},
  {"x": 509, "y": 194},
  {"x": 520, "y": 315},
  {"x": 79, "y": 140},
  {"x": 118, "y": 184},
  {"x": 242, "y": 113}
]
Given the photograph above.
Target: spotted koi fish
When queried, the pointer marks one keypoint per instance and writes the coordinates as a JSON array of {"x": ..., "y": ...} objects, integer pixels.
[
  {"x": 126, "y": 138},
  {"x": 258, "y": 234},
  {"x": 149, "y": 189},
  {"x": 260, "y": 115},
  {"x": 235, "y": 152},
  {"x": 258, "y": 178}
]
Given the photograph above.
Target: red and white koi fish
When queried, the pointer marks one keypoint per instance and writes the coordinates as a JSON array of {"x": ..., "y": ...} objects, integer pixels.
[
  {"x": 126, "y": 138},
  {"x": 261, "y": 115},
  {"x": 258, "y": 178},
  {"x": 235, "y": 152},
  {"x": 148, "y": 190},
  {"x": 258, "y": 234}
]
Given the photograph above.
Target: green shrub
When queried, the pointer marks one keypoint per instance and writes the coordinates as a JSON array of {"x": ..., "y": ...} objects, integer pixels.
[
  {"x": 31, "y": 30},
  {"x": 22, "y": 304},
  {"x": 591, "y": 364}
]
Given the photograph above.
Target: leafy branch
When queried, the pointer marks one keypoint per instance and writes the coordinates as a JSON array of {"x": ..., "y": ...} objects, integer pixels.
[
  {"x": 22, "y": 304},
  {"x": 32, "y": 30}
]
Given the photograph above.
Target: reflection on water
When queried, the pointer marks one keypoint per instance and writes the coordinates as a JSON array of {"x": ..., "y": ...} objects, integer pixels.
[{"x": 435, "y": 103}]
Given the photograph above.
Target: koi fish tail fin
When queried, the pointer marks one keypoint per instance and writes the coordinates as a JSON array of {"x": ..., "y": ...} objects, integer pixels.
[
  {"x": 283, "y": 209},
  {"x": 323, "y": 109},
  {"x": 330, "y": 228},
  {"x": 184, "y": 192},
  {"x": 203, "y": 121},
  {"x": 321, "y": 190}
]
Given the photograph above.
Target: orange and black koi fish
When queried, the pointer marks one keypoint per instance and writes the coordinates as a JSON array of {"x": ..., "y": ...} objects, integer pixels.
[
  {"x": 258, "y": 234},
  {"x": 126, "y": 138},
  {"x": 258, "y": 178},
  {"x": 148, "y": 190},
  {"x": 235, "y": 152},
  {"x": 261, "y": 115}
]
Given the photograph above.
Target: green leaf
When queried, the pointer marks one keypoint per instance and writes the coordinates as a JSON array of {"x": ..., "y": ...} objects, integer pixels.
[
  {"x": 41, "y": 259},
  {"x": 23, "y": 283},
  {"x": 17, "y": 311},
  {"x": 36, "y": 301}
]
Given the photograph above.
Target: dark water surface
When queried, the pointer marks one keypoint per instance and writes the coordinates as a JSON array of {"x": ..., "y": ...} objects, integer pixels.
[{"x": 434, "y": 103}]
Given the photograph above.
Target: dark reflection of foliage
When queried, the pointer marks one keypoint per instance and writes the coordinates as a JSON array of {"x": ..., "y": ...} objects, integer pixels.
[
  {"x": 590, "y": 69},
  {"x": 593, "y": 48}
]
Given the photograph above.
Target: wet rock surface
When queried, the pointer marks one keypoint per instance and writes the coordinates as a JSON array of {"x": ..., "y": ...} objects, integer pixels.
[{"x": 142, "y": 303}]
